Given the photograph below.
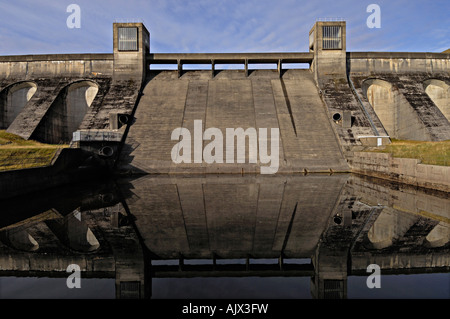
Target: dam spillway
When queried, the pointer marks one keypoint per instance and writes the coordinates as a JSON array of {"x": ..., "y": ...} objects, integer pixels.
[{"x": 290, "y": 103}]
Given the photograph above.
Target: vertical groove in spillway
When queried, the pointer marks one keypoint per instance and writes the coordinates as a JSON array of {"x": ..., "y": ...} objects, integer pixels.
[{"x": 288, "y": 104}]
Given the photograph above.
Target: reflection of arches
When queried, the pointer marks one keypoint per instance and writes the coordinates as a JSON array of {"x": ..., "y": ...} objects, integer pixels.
[
  {"x": 19, "y": 239},
  {"x": 399, "y": 119},
  {"x": 74, "y": 233},
  {"x": 390, "y": 225},
  {"x": 439, "y": 93},
  {"x": 66, "y": 113},
  {"x": 439, "y": 236},
  {"x": 13, "y": 99}
]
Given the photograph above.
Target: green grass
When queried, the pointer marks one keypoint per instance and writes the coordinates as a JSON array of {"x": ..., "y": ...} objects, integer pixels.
[
  {"x": 17, "y": 153},
  {"x": 432, "y": 153}
]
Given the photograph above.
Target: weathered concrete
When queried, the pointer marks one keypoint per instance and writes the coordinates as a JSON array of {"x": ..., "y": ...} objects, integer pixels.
[
  {"x": 47, "y": 115},
  {"x": 324, "y": 114},
  {"x": 439, "y": 92},
  {"x": 397, "y": 62},
  {"x": 327, "y": 62},
  {"x": 404, "y": 170},
  {"x": 82, "y": 225},
  {"x": 56, "y": 65},
  {"x": 233, "y": 216},
  {"x": 232, "y": 100},
  {"x": 131, "y": 64},
  {"x": 401, "y": 197},
  {"x": 407, "y": 111},
  {"x": 407, "y": 227},
  {"x": 13, "y": 99},
  {"x": 55, "y": 111},
  {"x": 340, "y": 99}
]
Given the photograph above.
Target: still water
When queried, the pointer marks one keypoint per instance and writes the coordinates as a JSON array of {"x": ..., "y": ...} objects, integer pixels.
[{"x": 227, "y": 237}]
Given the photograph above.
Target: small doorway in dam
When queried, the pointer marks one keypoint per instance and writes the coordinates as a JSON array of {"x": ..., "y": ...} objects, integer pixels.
[
  {"x": 12, "y": 101},
  {"x": 66, "y": 113}
]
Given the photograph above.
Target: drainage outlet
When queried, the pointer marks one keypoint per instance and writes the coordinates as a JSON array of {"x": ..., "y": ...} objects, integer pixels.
[
  {"x": 106, "y": 151},
  {"x": 337, "y": 117},
  {"x": 123, "y": 119}
]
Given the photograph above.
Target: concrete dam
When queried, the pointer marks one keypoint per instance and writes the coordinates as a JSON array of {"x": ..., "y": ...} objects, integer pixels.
[
  {"x": 231, "y": 100},
  {"x": 175, "y": 120}
]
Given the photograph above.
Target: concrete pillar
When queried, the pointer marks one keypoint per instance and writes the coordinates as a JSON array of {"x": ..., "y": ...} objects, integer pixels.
[
  {"x": 328, "y": 43},
  {"x": 246, "y": 67},
  {"x": 129, "y": 259},
  {"x": 131, "y": 47},
  {"x": 280, "y": 68},
  {"x": 180, "y": 68},
  {"x": 331, "y": 257},
  {"x": 330, "y": 272},
  {"x": 347, "y": 119}
]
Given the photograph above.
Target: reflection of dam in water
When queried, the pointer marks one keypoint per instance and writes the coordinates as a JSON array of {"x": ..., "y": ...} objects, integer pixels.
[
  {"x": 234, "y": 217},
  {"x": 136, "y": 232}
]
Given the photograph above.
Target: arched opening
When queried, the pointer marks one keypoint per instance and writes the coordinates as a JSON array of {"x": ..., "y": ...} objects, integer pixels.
[
  {"x": 73, "y": 232},
  {"x": 12, "y": 101},
  {"x": 79, "y": 98},
  {"x": 439, "y": 236},
  {"x": 395, "y": 113},
  {"x": 439, "y": 93},
  {"x": 19, "y": 239},
  {"x": 66, "y": 113},
  {"x": 390, "y": 225}
]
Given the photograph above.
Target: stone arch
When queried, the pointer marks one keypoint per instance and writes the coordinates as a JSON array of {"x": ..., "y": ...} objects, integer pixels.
[
  {"x": 439, "y": 93},
  {"x": 13, "y": 99},
  {"x": 399, "y": 119},
  {"x": 439, "y": 236},
  {"x": 390, "y": 225},
  {"x": 67, "y": 112}
]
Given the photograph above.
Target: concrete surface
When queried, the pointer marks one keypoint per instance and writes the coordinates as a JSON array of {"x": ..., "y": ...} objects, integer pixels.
[
  {"x": 232, "y": 100},
  {"x": 404, "y": 170}
]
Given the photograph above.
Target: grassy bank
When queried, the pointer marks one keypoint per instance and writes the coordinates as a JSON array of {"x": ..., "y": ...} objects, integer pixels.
[
  {"x": 17, "y": 153},
  {"x": 432, "y": 153}
]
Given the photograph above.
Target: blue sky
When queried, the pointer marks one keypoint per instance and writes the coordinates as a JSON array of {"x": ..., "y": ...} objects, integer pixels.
[{"x": 39, "y": 26}]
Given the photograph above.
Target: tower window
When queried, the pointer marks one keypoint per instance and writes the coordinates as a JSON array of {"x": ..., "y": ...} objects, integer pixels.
[
  {"x": 331, "y": 36},
  {"x": 128, "y": 39}
]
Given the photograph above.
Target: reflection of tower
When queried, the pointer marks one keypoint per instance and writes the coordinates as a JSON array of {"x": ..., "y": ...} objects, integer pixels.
[
  {"x": 128, "y": 255},
  {"x": 330, "y": 260},
  {"x": 330, "y": 272}
]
